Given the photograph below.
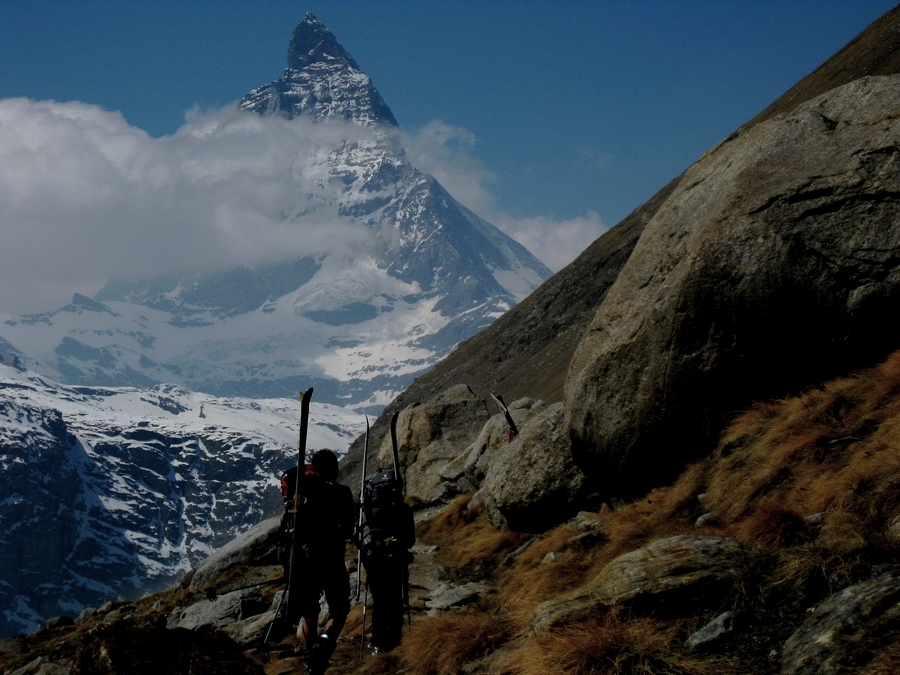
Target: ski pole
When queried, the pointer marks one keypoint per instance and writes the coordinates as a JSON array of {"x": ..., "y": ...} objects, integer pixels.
[
  {"x": 362, "y": 635},
  {"x": 275, "y": 618},
  {"x": 301, "y": 461}
]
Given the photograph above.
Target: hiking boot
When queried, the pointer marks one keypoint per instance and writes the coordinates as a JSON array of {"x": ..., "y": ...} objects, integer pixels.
[{"x": 317, "y": 657}]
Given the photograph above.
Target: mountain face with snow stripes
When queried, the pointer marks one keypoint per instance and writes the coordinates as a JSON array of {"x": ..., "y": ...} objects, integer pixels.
[
  {"x": 118, "y": 491},
  {"x": 409, "y": 272}
]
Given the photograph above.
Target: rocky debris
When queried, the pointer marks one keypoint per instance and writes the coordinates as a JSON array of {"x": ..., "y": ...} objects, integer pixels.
[
  {"x": 829, "y": 640},
  {"x": 532, "y": 483},
  {"x": 774, "y": 263},
  {"x": 430, "y": 436},
  {"x": 258, "y": 544},
  {"x": 713, "y": 632},
  {"x": 679, "y": 571}
]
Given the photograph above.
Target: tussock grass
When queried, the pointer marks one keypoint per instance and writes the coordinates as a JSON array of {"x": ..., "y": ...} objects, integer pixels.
[
  {"x": 832, "y": 450},
  {"x": 614, "y": 645},
  {"x": 466, "y": 539},
  {"x": 442, "y": 645}
]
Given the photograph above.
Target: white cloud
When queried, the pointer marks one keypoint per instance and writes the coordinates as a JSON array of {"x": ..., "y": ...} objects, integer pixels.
[
  {"x": 84, "y": 196},
  {"x": 446, "y": 152}
]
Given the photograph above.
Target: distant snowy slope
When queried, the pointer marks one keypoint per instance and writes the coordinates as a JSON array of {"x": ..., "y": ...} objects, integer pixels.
[{"x": 109, "y": 491}]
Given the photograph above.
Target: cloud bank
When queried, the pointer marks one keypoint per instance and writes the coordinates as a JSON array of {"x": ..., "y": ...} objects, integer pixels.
[{"x": 85, "y": 197}]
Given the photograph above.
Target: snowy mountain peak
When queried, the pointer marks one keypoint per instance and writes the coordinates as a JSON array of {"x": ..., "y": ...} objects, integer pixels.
[
  {"x": 322, "y": 81},
  {"x": 311, "y": 41}
]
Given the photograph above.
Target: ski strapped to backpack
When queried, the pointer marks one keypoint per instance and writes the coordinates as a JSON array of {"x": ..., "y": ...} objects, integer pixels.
[
  {"x": 301, "y": 463},
  {"x": 513, "y": 429},
  {"x": 396, "y": 450},
  {"x": 395, "y": 447},
  {"x": 359, "y": 527}
]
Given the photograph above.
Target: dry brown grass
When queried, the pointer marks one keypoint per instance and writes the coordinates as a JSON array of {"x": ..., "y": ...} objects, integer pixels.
[
  {"x": 833, "y": 450},
  {"x": 465, "y": 538},
  {"x": 614, "y": 645},
  {"x": 442, "y": 645}
]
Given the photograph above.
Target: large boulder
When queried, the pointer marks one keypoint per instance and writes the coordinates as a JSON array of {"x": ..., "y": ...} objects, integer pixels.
[
  {"x": 774, "y": 263},
  {"x": 431, "y": 435},
  {"x": 679, "y": 572},
  {"x": 532, "y": 483},
  {"x": 494, "y": 437}
]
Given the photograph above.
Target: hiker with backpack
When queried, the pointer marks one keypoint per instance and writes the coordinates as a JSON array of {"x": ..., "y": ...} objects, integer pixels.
[
  {"x": 388, "y": 532},
  {"x": 319, "y": 529}
]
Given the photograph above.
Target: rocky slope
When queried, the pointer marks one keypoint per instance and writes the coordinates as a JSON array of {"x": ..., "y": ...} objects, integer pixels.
[
  {"x": 109, "y": 491},
  {"x": 382, "y": 274}
]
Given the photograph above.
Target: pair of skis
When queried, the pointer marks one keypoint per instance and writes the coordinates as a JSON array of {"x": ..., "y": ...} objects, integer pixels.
[
  {"x": 305, "y": 399},
  {"x": 362, "y": 496}
]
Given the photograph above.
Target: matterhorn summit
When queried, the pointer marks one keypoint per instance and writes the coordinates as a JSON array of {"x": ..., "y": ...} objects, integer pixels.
[
  {"x": 321, "y": 82},
  {"x": 403, "y": 273}
]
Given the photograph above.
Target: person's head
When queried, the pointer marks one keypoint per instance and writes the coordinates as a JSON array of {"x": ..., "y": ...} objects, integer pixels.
[{"x": 325, "y": 462}]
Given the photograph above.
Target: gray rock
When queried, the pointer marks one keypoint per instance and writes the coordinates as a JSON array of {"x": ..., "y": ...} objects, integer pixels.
[
  {"x": 257, "y": 544},
  {"x": 59, "y": 622},
  {"x": 250, "y": 631},
  {"x": 494, "y": 437},
  {"x": 774, "y": 263},
  {"x": 532, "y": 483},
  {"x": 41, "y": 666},
  {"x": 830, "y": 638},
  {"x": 714, "y": 631},
  {"x": 447, "y": 596},
  {"x": 431, "y": 436},
  {"x": 679, "y": 569},
  {"x": 227, "y": 609}
]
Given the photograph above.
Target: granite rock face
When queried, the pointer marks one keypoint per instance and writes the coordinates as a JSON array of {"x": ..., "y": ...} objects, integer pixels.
[{"x": 774, "y": 263}]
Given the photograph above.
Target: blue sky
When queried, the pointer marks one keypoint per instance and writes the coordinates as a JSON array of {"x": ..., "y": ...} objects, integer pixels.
[{"x": 547, "y": 114}]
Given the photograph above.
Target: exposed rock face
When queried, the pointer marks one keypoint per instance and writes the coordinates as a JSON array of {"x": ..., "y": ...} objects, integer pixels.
[
  {"x": 430, "y": 436},
  {"x": 670, "y": 569},
  {"x": 322, "y": 81},
  {"x": 774, "y": 263},
  {"x": 259, "y": 543},
  {"x": 828, "y": 641},
  {"x": 532, "y": 483}
]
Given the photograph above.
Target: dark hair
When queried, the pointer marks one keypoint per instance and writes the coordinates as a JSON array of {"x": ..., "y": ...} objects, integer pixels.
[{"x": 326, "y": 464}]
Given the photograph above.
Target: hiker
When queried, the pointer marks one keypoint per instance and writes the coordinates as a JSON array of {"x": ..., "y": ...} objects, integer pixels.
[
  {"x": 324, "y": 522},
  {"x": 388, "y": 533}
]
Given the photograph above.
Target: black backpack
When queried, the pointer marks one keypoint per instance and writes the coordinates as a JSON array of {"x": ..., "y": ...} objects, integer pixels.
[{"x": 388, "y": 520}]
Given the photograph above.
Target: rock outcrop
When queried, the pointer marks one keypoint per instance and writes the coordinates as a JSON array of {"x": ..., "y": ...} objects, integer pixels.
[
  {"x": 774, "y": 263},
  {"x": 532, "y": 483},
  {"x": 430, "y": 436},
  {"x": 681, "y": 571},
  {"x": 829, "y": 640}
]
